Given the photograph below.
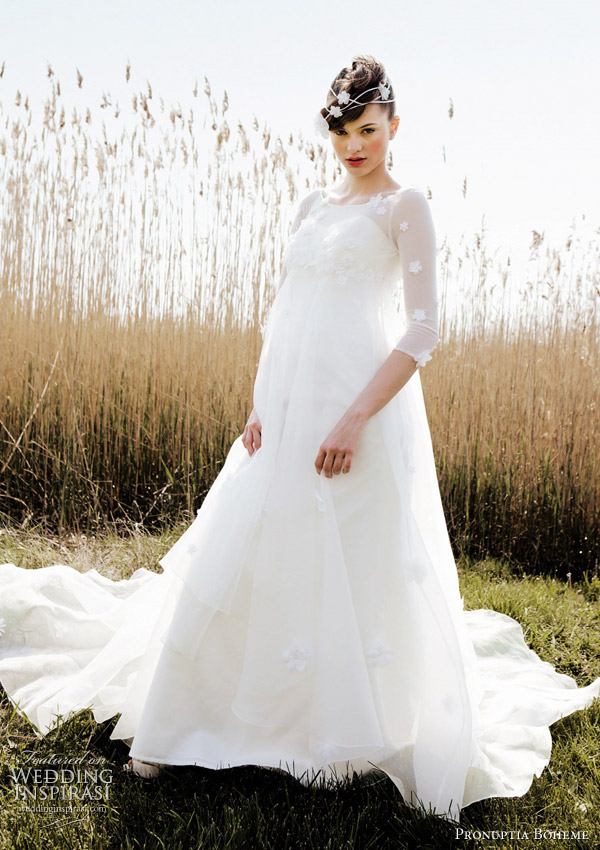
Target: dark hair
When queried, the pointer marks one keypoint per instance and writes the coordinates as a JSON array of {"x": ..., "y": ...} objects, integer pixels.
[{"x": 365, "y": 73}]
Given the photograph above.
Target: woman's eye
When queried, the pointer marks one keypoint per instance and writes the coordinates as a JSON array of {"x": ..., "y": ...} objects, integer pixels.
[{"x": 366, "y": 130}]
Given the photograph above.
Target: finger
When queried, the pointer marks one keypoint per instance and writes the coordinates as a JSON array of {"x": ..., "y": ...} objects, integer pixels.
[
  {"x": 319, "y": 461},
  {"x": 248, "y": 441},
  {"x": 337, "y": 466},
  {"x": 327, "y": 466}
]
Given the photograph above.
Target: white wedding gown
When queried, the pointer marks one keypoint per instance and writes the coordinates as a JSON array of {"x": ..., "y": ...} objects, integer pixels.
[{"x": 303, "y": 622}]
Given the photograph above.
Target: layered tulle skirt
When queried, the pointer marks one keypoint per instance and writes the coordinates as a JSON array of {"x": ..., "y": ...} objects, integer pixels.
[{"x": 302, "y": 622}]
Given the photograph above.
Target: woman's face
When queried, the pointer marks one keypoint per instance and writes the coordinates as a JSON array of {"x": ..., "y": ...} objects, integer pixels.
[{"x": 365, "y": 140}]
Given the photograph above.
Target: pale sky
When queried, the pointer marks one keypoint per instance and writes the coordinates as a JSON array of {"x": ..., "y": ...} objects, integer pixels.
[{"x": 524, "y": 78}]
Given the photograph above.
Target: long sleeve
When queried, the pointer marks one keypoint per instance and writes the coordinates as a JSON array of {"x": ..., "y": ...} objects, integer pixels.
[
  {"x": 300, "y": 213},
  {"x": 414, "y": 234}
]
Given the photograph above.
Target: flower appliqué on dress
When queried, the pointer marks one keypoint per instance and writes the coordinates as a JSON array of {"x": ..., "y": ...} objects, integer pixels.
[
  {"x": 424, "y": 357},
  {"x": 321, "y": 503},
  {"x": 378, "y": 202},
  {"x": 336, "y": 261},
  {"x": 403, "y": 226},
  {"x": 345, "y": 265},
  {"x": 296, "y": 658},
  {"x": 327, "y": 752},
  {"x": 379, "y": 654},
  {"x": 191, "y": 548},
  {"x": 2, "y": 626},
  {"x": 418, "y": 315},
  {"x": 415, "y": 267}
]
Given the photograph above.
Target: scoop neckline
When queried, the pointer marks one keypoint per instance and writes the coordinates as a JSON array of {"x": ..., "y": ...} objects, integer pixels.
[{"x": 363, "y": 203}]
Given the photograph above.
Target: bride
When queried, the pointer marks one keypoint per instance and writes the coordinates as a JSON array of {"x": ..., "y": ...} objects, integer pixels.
[{"x": 310, "y": 618}]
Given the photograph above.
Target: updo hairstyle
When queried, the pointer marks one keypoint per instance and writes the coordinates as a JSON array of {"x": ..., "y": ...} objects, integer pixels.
[{"x": 365, "y": 73}]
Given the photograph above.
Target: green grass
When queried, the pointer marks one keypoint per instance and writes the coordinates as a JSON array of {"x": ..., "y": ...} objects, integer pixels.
[{"x": 250, "y": 807}]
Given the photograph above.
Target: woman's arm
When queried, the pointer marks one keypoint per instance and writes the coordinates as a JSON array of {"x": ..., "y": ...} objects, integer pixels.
[
  {"x": 252, "y": 434},
  {"x": 413, "y": 232},
  {"x": 300, "y": 213},
  {"x": 338, "y": 448},
  {"x": 412, "y": 229},
  {"x": 387, "y": 381}
]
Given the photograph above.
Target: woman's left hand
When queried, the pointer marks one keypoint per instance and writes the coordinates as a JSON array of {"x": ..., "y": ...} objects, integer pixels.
[{"x": 339, "y": 447}]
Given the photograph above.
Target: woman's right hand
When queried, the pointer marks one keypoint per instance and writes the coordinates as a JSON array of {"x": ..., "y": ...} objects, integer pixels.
[{"x": 251, "y": 438}]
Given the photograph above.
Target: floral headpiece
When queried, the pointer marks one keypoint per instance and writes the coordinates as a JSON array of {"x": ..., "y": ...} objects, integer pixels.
[{"x": 343, "y": 98}]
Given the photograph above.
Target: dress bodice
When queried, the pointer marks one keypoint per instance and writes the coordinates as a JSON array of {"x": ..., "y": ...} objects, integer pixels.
[
  {"x": 372, "y": 247},
  {"x": 348, "y": 243}
]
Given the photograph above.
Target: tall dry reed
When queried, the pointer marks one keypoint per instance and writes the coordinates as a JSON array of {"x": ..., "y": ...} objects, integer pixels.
[{"x": 137, "y": 264}]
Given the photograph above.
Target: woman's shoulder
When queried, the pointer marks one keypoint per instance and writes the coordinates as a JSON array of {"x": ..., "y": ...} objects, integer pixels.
[
  {"x": 411, "y": 200},
  {"x": 410, "y": 215},
  {"x": 304, "y": 205},
  {"x": 307, "y": 199},
  {"x": 408, "y": 192},
  {"x": 305, "y": 202}
]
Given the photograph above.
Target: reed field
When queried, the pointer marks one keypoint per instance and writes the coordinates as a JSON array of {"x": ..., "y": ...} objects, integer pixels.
[{"x": 139, "y": 252}]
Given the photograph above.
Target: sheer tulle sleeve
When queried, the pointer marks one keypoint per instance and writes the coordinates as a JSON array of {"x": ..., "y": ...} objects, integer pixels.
[
  {"x": 414, "y": 234},
  {"x": 300, "y": 214}
]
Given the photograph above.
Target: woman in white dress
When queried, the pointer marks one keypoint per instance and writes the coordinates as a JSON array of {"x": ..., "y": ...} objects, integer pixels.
[{"x": 310, "y": 617}]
